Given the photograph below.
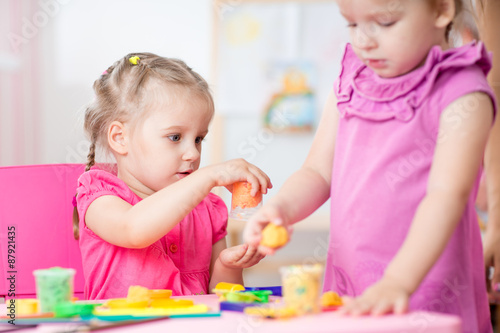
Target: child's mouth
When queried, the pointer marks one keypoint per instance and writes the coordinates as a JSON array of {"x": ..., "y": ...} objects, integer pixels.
[
  {"x": 183, "y": 174},
  {"x": 376, "y": 63}
]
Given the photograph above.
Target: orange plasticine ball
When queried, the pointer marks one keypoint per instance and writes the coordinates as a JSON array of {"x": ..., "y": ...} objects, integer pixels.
[{"x": 274, "y": 236}]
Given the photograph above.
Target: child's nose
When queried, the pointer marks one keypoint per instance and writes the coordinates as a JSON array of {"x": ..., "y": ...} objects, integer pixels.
[
  {"x": 191, "y": 153},
  {"x": 366, "y": 37}
]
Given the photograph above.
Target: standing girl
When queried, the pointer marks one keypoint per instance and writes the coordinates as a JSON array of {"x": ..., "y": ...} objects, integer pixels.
[
  {"x": 155, "y": 223},
  {"x": 407, "y": 122}
]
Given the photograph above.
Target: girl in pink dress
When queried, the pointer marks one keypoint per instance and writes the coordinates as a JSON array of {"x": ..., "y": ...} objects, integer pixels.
[
  {"x": 399, "y": 150},
  {"x": 154, "y": 222}
]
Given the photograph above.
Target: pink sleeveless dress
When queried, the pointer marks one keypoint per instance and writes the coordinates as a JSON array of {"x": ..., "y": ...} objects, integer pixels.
[
  {"x": 385, "y": 144},
  {"x": 179, "y": 261}
]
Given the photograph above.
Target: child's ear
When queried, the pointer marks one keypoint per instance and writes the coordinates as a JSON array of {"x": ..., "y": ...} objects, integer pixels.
[
  {"x": 446, "y": 13},
  {"x": 116, "y": 137}
]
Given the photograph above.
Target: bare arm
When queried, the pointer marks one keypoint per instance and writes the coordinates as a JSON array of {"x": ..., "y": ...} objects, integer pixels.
[
  {"x": 138, "y": 226},
  {"x": 455, "y": 166},
  {"x": 309, "y": 187}
]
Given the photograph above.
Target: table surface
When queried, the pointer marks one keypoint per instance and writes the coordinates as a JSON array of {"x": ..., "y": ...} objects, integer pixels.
[{"x": 323, "y": 322}]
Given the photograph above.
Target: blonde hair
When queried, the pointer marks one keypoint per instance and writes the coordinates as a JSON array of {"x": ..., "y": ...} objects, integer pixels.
[{"x": 121, "y": 95}]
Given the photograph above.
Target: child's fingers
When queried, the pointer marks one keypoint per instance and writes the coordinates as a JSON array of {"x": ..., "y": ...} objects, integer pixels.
[
  {"x": 360, "y": 308},
  {"x": 381, "y": 307},
  {"x": 255, "y": 182},
  {"x": 248, "y": 255},
  {"x": 348, "y": 304},
  {"x": 259, "y": 256},
  {"x": 256, "y": 258},
  {"x": 252, "y": 234},
  {"x": 262, "y": 181},
  {"x": 266, "y": 250},
  {"x": 235, "y": 253},
  {"x": 345, "y": 309},
  {"x": 401, "y": 306},
  {"x": 347, "y": 299}
]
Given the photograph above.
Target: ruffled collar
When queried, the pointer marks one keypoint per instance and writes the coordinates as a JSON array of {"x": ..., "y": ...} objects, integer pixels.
[{"x": 408, "y": 90}]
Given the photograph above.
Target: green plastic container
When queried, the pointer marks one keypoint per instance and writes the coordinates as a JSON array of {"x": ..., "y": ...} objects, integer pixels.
[{"x": 53, "y": 286}]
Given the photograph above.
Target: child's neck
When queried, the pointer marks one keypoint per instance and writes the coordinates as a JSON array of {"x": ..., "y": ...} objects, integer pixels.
[
  {"x": 444, "y": 46},
  {"x": 134, "y": 184}
]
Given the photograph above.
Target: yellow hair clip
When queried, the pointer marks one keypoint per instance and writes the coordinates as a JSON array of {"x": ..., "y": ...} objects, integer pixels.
[{"x": 134, "y": 60}]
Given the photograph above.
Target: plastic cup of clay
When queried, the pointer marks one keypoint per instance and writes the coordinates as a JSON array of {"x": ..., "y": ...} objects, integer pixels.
[
  {"x": 302, "y": 287},
  {"x": 243, "y": 204},
  {"x": 53, "y": 286}
]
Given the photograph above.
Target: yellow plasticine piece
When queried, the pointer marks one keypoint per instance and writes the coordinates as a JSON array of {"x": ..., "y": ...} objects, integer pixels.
[
  {"x": 26, "y": 306},
  {"x": 134, "y": 60},
  {"x": 274, "y": 236},
  {"x": 159, "y": 293},
  {"x": 222, "y": 288},
  {"x": 226, "y": 286},
  {"x": 171, "y": 303},
  {"x": 137, "y": 294},
  {"x": 123, "y": 303},
  {"x": 330, "y": 298}
]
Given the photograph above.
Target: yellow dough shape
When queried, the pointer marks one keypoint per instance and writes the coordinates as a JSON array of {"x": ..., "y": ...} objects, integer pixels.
[
  {"x": 159, "y": 293},
  {"x": 138, "y": 294},
  {"x": 330, "y": 298},
  {"x": 26, "y": 306},
  {"x": 274, "y": 236}
]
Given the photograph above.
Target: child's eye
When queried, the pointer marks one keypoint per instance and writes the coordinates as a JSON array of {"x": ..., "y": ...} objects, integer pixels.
[
  {"x": 387, "y": 24},
  {"x": 352, "y": 25},
  {"x": 174, "y": 137},
  {"x": 199, "y": 139}
]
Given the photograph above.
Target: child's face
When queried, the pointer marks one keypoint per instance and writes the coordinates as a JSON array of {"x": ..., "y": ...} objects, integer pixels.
[
  {"x": 166, "y": 147},
  {"x": 392, "y": 37}
]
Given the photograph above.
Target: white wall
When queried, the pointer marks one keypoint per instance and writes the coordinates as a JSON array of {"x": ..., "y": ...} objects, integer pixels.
[{"x": 86, "y": 36}]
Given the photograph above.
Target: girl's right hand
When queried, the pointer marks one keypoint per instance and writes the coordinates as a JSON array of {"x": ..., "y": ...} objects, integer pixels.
[
  {"x": 269, "y": 213},
  {"x": 238, "y": 170}
]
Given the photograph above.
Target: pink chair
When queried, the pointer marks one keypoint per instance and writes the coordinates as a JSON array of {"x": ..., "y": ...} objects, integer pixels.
[{"x": 37, "y": 201}]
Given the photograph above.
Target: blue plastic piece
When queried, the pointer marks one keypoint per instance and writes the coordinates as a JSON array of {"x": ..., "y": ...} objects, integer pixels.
[
  {"x": 276, "y": 289},
  {"x": 232, "y": 306}
]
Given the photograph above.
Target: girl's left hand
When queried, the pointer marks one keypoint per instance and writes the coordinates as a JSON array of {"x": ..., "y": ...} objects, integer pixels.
[
  {"x": 385, "y": 296},
  {"x": 240, "y": 256}
]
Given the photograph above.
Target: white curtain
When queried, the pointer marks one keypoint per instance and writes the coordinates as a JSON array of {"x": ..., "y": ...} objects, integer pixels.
[{"x": 20, "y": 98}]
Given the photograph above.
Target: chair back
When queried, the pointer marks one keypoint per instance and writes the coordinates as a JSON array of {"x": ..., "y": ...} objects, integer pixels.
[{"x": 36, "y": 225}]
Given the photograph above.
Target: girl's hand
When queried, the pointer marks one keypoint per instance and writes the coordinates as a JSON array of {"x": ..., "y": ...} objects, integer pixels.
[
  {"x": 238, "y": 170},
  {"x": 240, "y": 256},
  {"x": 269, "y": 213},
  {"x": 491, "y": 247},
  {"x": 385, "y": 296}
]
